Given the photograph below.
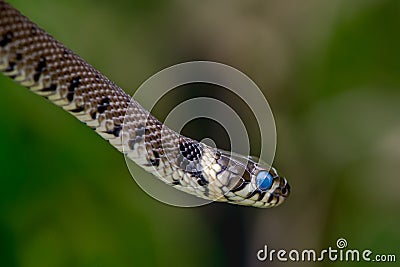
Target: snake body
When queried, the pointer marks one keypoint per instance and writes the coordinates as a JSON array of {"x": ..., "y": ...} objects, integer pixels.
[{"x": 37, "y": 61}]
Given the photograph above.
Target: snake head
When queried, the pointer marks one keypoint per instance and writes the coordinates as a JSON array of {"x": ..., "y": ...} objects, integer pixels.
[
  {"x": 250, "y": 181},
  {"x": 275, "y": 187}
]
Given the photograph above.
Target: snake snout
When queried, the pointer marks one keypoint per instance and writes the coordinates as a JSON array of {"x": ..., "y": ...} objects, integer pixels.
[{"x": 285, "y": 187}]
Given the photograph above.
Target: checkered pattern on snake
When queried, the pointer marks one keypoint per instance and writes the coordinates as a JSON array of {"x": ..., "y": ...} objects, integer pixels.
[{"x": 37, "y": 61}]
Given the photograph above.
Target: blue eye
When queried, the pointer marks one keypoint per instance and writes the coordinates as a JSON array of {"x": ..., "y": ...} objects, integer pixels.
[{"x": 264, "y": 180}]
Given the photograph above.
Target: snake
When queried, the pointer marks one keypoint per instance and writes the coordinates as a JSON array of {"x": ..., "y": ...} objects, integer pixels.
[{"x": 37, "y": 61}]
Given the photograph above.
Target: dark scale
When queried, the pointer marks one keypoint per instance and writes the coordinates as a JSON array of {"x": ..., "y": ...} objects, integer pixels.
[
  {"x": 131, "y": 144},
  {"x": 116, "y": 130},
  {"x": 239, "y": 185},
  {"x": 77, "y": 110},
  {"x": 93, "y": 114},
  {"x": 270, "y": 198},
  {"x": 102, "y": 108},
  {"x": 284, "y": 191},
  {"x": 182, "y": 162},
  {"x": 75, "y": 82},
  {"x": 39, "y": 69},
  {"x": 156, "y": 160},
  {"x": 140, "y": 130},
  {"x": 66, "y": 53},
  {"x": 6, "y": 39},
  {"x": 104, "y": 104},
  {"x": 51, "y": 88},
  {"x": 105, "y": 100},
  {"x": 260, "y": 194},
  {"x": 189, "y": 157},
  {"x": 202, "y": 181},
  {"x": 247, "y": 176},
  {"x": 175, "y": 182},
  {"x": 10, "y": 67},
  {"x": 251, "y": 167},
  {"x": 198, "y": 175},
  {"x": 139, "y": 133},
  {"x": 190, "y": 149}
]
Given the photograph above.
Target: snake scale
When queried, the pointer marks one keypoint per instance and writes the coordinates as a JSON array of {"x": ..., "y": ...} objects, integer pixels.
[{"x": 37, "y": 61}]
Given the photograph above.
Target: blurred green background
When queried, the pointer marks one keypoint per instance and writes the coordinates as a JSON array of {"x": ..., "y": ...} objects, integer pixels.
[{"x": 331, "y": 73}]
